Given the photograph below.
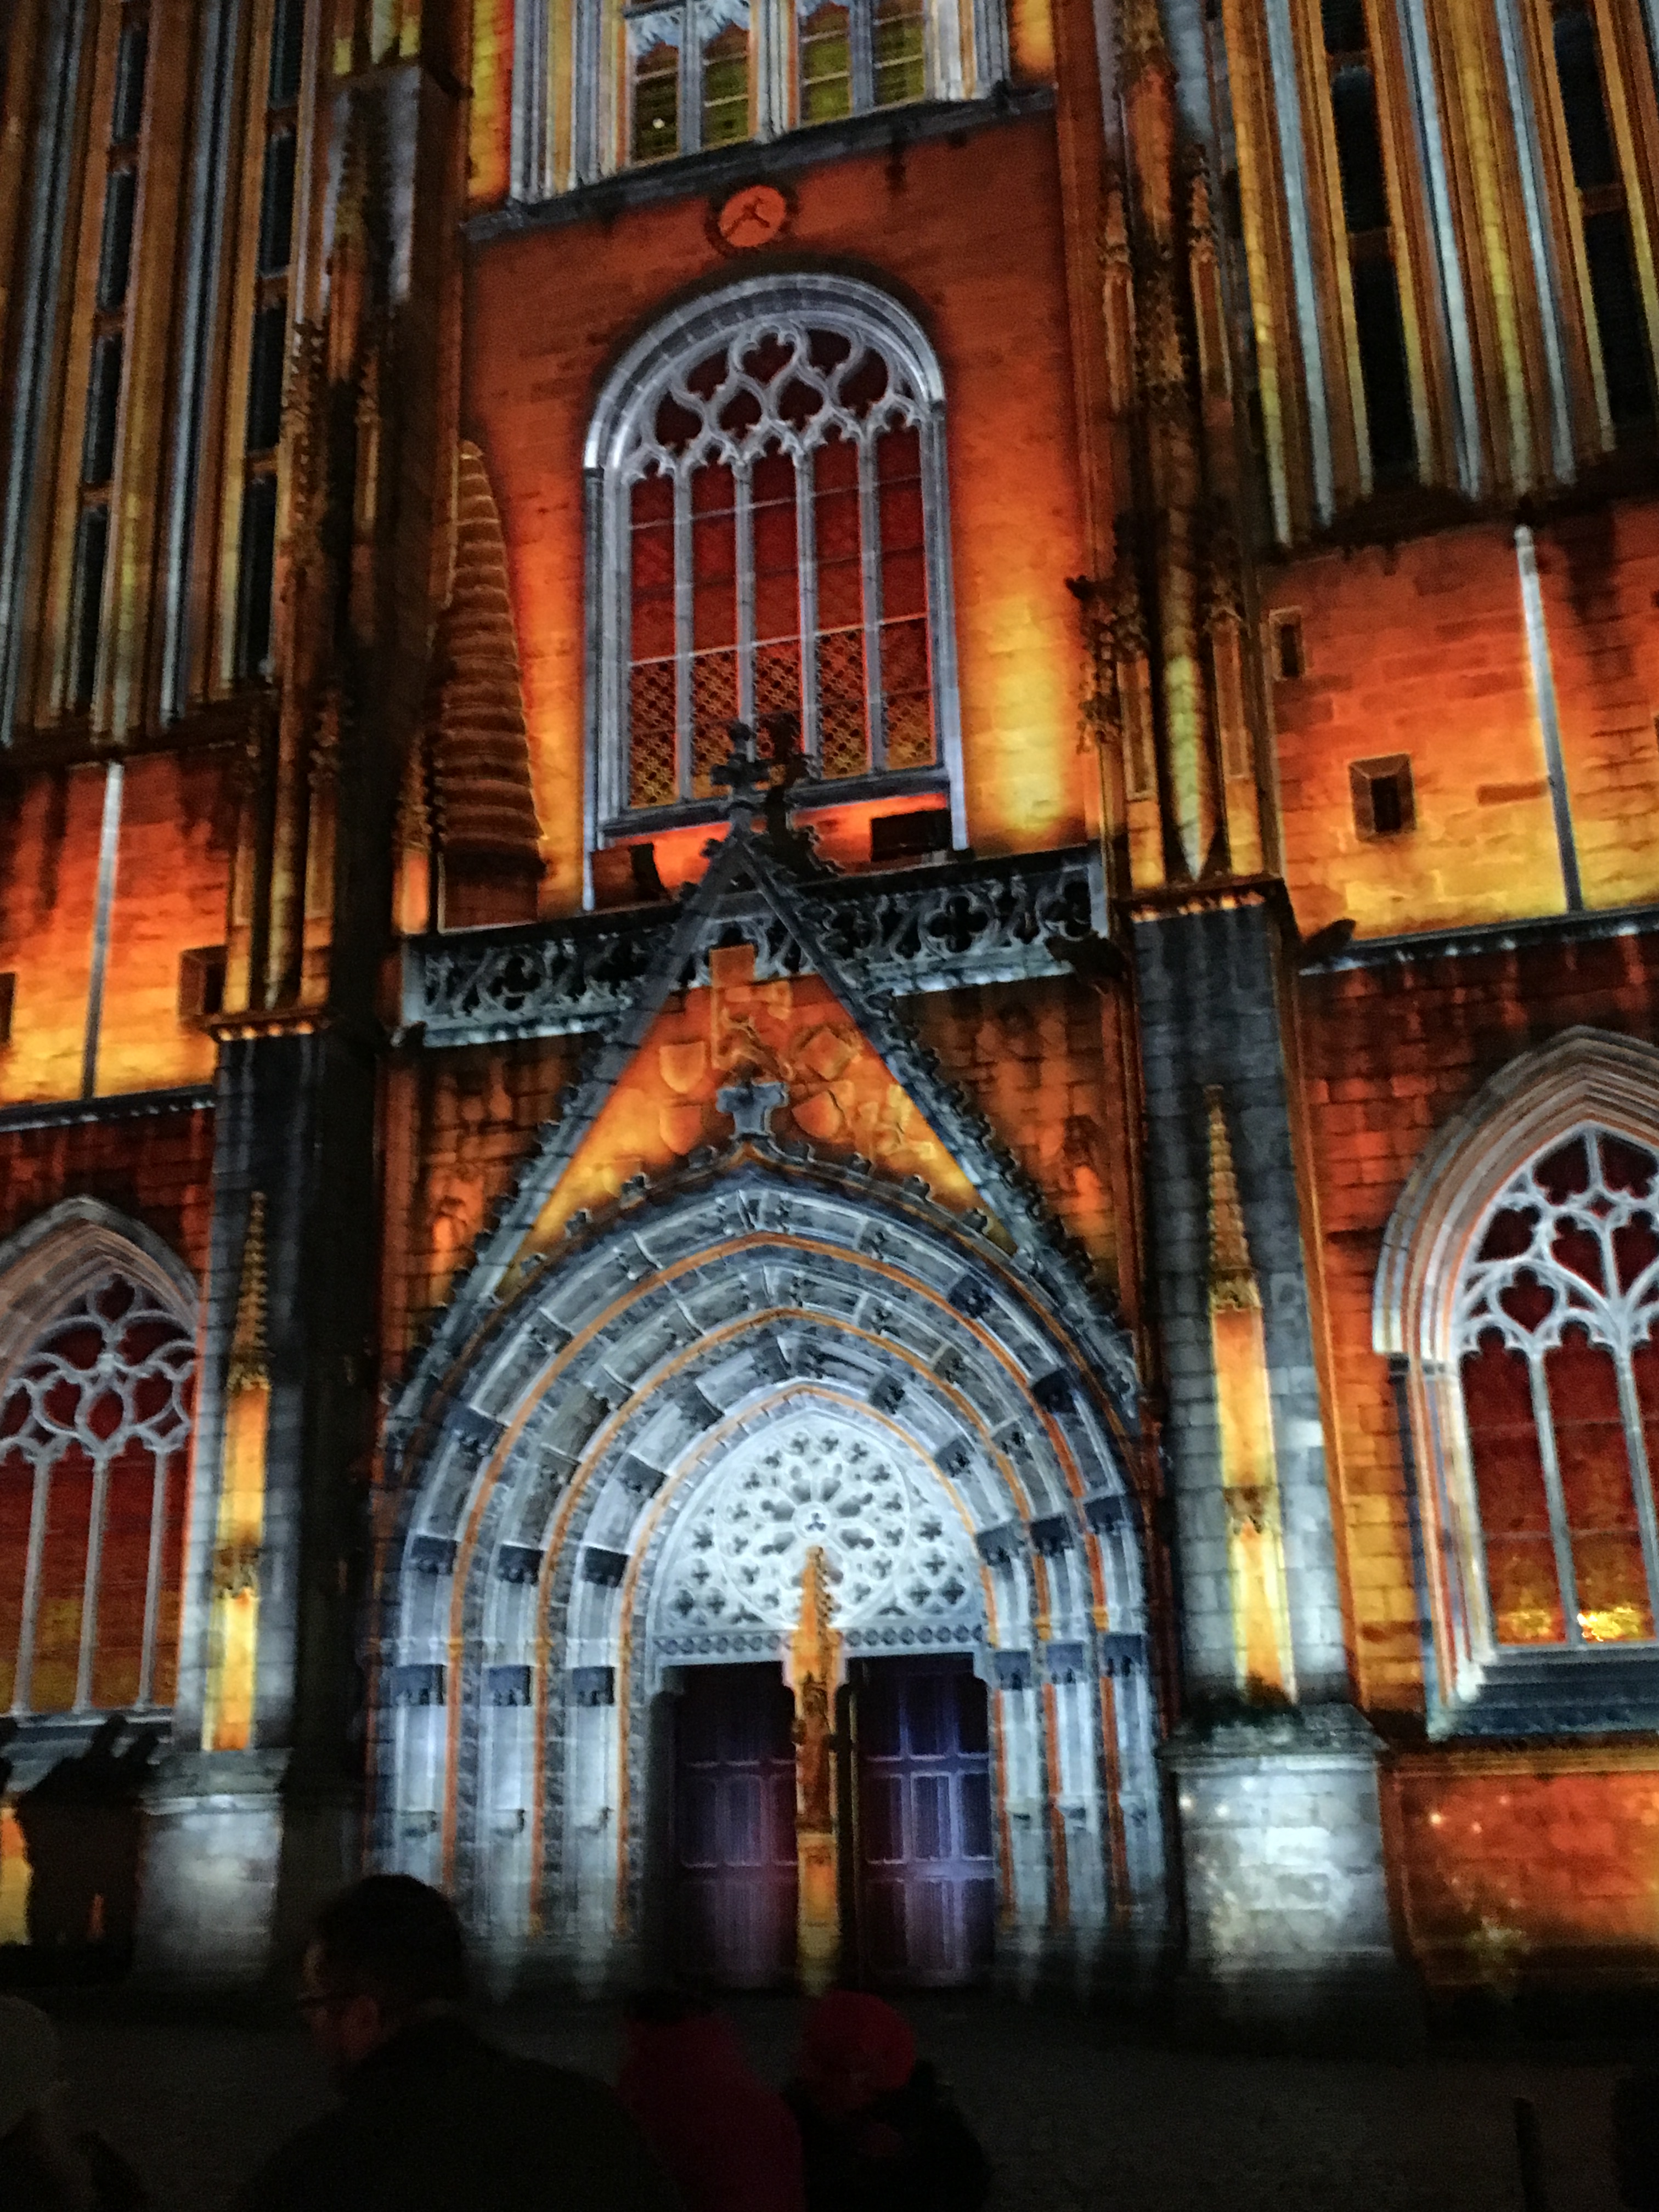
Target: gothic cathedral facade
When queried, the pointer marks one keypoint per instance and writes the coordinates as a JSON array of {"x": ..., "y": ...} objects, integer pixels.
[{"x": 828, "y": 959}]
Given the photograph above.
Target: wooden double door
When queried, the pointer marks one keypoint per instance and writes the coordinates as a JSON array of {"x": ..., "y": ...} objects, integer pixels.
[{"x": 918, "y": 1875}]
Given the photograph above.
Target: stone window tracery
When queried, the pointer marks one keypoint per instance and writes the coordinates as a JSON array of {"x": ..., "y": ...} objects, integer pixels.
[
  {"x": 1555, "y": 1338},
  {"x": 772, "y": 504},
  {"x": 95, "y": 1440},
  {"x": 894, "y": 1549}
]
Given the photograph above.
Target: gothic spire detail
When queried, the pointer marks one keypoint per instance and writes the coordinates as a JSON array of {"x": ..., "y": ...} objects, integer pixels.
[
  {"x": 250, "y": 1363},
  {"x": 1233, "y": 1279},
  {"x": 481, "y": 752}
]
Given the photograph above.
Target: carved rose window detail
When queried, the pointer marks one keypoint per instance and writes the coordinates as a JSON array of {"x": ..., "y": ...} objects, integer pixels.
[{"x": 894, "y": 1547}]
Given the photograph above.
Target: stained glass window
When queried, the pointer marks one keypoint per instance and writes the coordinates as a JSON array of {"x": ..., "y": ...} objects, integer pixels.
[
  {"x": 826, "y": 64},
  {"x": 688, "y": 78},
  {"x": 778, "y": 558},
  {"x": 1556, "y": 1335},
  {"x": 94, "y": 1441},
  {"x": 898, "y": 52}
]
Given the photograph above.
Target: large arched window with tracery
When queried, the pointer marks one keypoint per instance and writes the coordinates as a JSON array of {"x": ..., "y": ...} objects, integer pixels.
[
  {"x": 95, "y": 1409},
  {"x": 1556, "y": 1337},
  {"x": 1517, "y": 1302},
  {"x": 767, "y": 477}
]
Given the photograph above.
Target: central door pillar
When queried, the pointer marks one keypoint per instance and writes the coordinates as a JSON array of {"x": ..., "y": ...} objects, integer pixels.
[{"x": 815, "y": 1670}]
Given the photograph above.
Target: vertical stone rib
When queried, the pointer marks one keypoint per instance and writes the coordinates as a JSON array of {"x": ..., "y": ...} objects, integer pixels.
[{"x": 1250, "y": 1465}]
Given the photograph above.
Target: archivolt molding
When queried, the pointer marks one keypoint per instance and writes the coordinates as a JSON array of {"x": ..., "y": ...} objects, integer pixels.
[
  {"x": 1540, "y": 1099},
  {"x": 550, "y": 1481}
]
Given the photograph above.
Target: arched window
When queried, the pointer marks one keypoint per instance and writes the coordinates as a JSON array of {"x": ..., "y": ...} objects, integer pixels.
[
  {"x": 767, "y": 476},
  {"x": 95, "y": 1408},
  {"x": 1556, "y": 1313},
  {"x": 1519, "y": 1299}
]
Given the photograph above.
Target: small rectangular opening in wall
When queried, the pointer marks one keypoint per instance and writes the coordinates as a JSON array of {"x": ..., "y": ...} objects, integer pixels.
[
  {"x": 1384, "y": 802},
  {"x": 1285, "y": 641},
  {"x": 7, "y": 1000},
  {"x": 909, "y": 837},
  {"x": 201, "y": 982}
]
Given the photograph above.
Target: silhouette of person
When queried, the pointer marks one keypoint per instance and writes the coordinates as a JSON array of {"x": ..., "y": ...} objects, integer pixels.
[{"x": 82, "y": 1826}]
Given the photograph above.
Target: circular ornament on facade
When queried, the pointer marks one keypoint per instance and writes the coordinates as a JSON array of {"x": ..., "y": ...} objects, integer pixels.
[
  {"x": 893, "y": 1548},
  {"x": 754, "y": 216}
]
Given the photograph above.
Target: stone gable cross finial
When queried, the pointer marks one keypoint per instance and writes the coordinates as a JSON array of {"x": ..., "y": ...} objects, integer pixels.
[{"x": 743, "y": 773}]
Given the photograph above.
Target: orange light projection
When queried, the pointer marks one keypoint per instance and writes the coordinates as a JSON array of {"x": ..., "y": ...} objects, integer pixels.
[
  {"x": 793, "y": 1032},
  {"x": 973, "y": 233},
  {"x": 490, "y": 112},
  {"x": 1512, "y": 1862}
]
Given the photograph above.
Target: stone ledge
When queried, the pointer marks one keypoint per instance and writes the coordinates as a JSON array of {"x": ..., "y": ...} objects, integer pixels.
[{"x": 1318, "y": 1734}]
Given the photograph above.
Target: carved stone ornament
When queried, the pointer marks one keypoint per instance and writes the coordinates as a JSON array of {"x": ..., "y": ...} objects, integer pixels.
[{"x": 894, "y": 1547}]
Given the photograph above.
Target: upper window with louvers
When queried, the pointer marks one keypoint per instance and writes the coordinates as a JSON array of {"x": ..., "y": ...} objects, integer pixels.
[{"x": 777, "y": 500}]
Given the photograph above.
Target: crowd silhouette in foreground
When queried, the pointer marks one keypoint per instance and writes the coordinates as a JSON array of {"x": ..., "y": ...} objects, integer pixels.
[{"x": 430, "y": 2116}]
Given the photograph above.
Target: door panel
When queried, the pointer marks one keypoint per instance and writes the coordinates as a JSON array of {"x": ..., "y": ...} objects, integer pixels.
[
  {"x": 926, "y": 1873},
  {"x": 734, "y": 1828}
]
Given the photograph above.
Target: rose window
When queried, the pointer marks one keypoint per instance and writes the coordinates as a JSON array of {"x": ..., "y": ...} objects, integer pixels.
[{"x": 893, "y": 1546}]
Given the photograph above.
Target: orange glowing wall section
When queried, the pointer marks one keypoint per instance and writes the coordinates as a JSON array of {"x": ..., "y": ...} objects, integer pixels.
[
  {"x": 171, "y": 882},
  {"x": 48, "y": 878},
  {"x": 968, "y": 233},
  {"x": 489, "y": 115},
  {"x": 1510, "y": 1862},
  {"x": 795, "y": 1033},
  {"x": 1422, "y": 650},
  {"x": 177, "y": 833}
]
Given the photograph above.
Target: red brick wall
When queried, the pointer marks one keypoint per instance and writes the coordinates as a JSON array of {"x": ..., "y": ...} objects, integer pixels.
[
  {"x": 171, "y": 885},
  {"x": 1030, "y": 1057},
  {"x": 1515, "y": 1863},
  {"x": 1421, "y": 649},
  {"x": 156, "y": 1169},
  {"x": 459, "y": 1127}
]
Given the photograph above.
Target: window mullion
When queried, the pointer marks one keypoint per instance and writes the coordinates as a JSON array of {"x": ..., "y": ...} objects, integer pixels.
[
  {"x": 1560, "y": 1534},
  {"x": 23, "y": 1678},
  {"x": 862, "y": 56},
  {"x": 1462, "y": 1540},
  {"x": 89, "y": 1587},
  {"x": 690, "y": 132},
  {"x": 158, "y": 1515},
  {"x": 769, "y": 43},
  {"x": 806, "y": 573},
  {"x": 682, "y": 612},
  {"x": 870, "y": 551},
  {"x": 743, "y": 550},
  {"x": 1641, "y": 1474}
]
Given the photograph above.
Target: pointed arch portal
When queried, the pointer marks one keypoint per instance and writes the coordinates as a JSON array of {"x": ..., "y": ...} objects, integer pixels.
[{"x": 619, "y": 1481}]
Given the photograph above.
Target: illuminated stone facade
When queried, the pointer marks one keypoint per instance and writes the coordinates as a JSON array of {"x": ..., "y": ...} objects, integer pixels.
[{"x": 829, "y": 1112}]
